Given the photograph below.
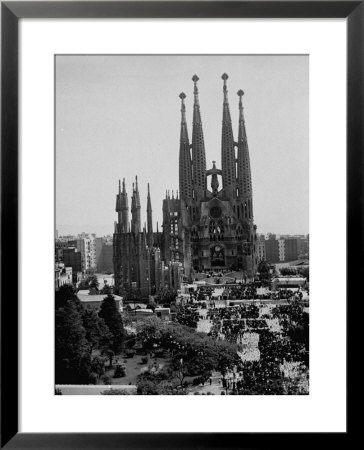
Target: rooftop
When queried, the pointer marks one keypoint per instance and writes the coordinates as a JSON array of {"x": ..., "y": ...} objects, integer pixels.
[{"x": 84, "y": 296}]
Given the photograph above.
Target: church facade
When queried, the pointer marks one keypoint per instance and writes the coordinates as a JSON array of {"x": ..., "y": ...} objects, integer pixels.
[{"x": 208, "y": 226}]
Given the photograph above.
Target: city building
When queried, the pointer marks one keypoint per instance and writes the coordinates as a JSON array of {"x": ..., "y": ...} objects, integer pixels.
[
  {"x": 261, "y": 250},
  {"x": 290, "y": 249},
  {"x": 204, "y": 227},
  {"x": 94, "y": 301},
  {"x": 72, "y": 258},
  {"x": 136, "y": 252},
  {"x": 271, "y": 250},
  {"x": 86, "y": 245},
  {"x": 104, "y": 254},
  {"x": 288, "y": 283},
  {"x": 303, "y": 246},
  {"x": 62, "y": 275},
  {"x": 281, "y": 250}
]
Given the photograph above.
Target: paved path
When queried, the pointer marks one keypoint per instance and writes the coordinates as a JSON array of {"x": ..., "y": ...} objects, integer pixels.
[{"x": 215, "y": 387}]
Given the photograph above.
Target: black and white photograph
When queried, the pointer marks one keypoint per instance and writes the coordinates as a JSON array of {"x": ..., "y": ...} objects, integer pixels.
[{"x": 181, "y": 224}]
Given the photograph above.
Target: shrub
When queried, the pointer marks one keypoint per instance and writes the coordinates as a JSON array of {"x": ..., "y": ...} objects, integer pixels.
[
  {"x": 106, "y": 380},
  {"x": 159, "y": 353},
  {"x": 130, "y": 353},
  {"x": 130, "y": 342},
  {"x": 120, "y": 371},
  {"x": 97, "y": 365},
  {"x": 93, "y": 378},
  {"x": 144, "y": 359}
]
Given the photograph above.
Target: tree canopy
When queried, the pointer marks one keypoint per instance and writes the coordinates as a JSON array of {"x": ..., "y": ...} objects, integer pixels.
[
  {"x": 71, "y": 347},
  {"x": 112, "y": 317},
  {"x": 97, "y": 332},
  {"x": 65, "y": 293}
]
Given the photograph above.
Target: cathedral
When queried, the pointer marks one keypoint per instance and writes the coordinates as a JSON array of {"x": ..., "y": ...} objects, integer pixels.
[{"x": 209, "y": 226}]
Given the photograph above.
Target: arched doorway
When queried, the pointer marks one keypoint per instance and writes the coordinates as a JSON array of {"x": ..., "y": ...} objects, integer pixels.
[{"x": 217, "y": 255}]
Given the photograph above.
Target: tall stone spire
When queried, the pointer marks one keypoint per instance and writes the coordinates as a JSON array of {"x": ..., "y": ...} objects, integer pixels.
[
  {"x": 137, "y": 198},
  {"x": 149, "y": 220},
  {"x": 198, "y": 145},
  {"x": 122, "y": 207},
  {"x": 135, "y": 208},
  {"x": 244, "y": 173},
  {"x": 185, "y": 164},
  {"x": 227, "y": 144},
  {"x": 118, "y": 204}
]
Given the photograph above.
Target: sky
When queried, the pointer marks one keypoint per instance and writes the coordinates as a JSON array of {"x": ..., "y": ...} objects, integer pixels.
[{"x": 118, "y": 116}]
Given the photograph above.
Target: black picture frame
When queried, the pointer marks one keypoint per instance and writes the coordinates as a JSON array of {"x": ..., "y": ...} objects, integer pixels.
[{"x": 11, "y": 12}]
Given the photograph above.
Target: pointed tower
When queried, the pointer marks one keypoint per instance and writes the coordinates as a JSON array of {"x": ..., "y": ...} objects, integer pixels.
[
  {"x": 198, "y": 146},
  {"x": 135, "y": 209},
  {"x": 145, "y": 236},
  {"x": 244, "y": 173},
  {"x": 124, "y": 209},
  {"x": 149, "y": 220},
  {"x": 185, "y": 163},
  {"x": 118, "y": 207},
  {"x": 227, "y": 145}
]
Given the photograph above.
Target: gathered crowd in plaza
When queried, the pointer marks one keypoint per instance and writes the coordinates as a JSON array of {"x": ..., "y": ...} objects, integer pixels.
[
  {"x": 254, "y": 341},
  {"x": 271, "y": 338}
]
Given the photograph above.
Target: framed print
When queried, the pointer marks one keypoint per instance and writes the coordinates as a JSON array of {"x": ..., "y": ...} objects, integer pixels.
[{"x": 212, "y": 300}]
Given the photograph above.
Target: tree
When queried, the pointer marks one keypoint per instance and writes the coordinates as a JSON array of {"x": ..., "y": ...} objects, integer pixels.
[
  {"x": 72, "y": 355},
  {"x": 97, "y": 332},
  {"x": 65, "y": 293},
  {"x": 159, "y": 383},
  {"x": 200, "y": 353},
  {"x": 106, "y": 289},
  {"x": 110, "y": 354},
  {"x": 93, "y": 282},
  {"x": 111, "y": 315},
  {"x": 166, "y": 295},
  {"x": 98, "y": 366}
]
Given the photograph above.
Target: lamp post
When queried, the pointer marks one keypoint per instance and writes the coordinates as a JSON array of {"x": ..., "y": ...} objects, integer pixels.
[{"x": 181, "y": 370}]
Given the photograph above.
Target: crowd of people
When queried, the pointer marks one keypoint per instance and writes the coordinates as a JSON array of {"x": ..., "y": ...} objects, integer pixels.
[
  {"x": 241, "y": 292},
  {"x": 231, "y": 322},
  {"x": 287, "y": 343},
  {"x": 188, "y": 315},
  {"x": 248, "y": 291}
]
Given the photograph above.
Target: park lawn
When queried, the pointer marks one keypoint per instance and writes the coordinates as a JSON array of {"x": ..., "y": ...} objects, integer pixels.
[{"x": 134, "y": 368}]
